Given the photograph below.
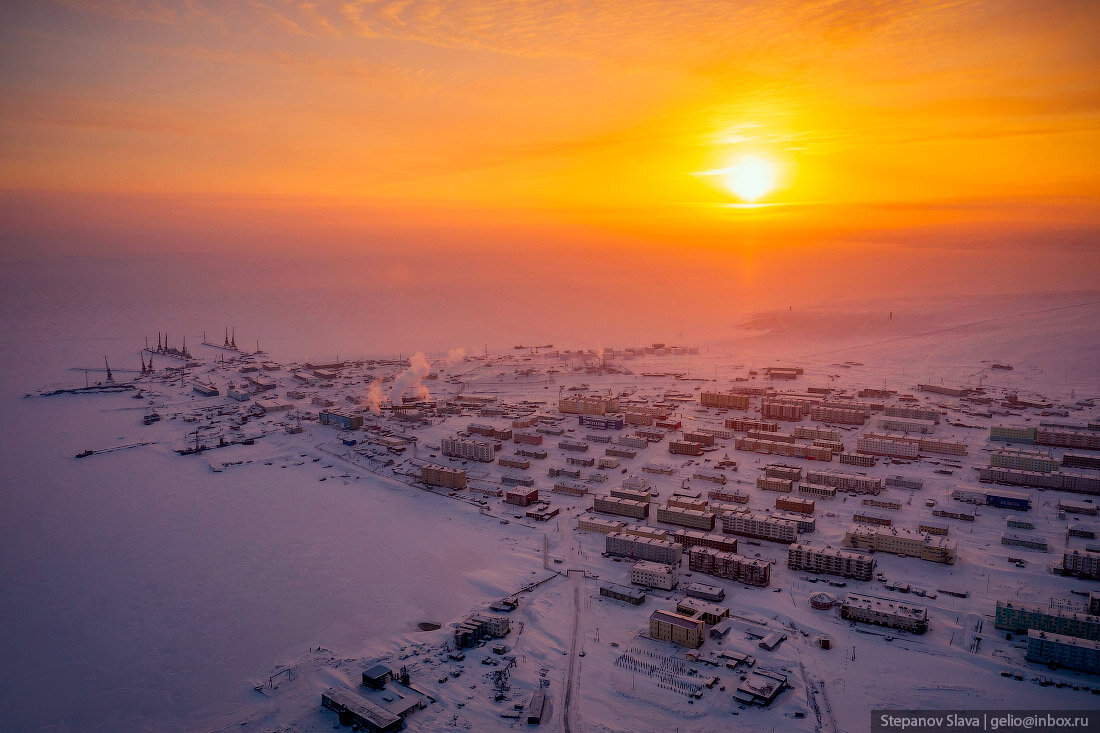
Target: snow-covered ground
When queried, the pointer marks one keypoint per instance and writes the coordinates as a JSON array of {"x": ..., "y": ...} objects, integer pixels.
[{"x": 143, "y": 591}]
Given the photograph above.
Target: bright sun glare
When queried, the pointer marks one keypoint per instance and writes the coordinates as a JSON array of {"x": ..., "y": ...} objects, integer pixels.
[{"x": 751, "y": 177}]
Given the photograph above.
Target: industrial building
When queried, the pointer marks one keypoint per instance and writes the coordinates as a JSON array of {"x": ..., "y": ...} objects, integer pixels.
[
  {"x": 882, "y": 612},
  {"x": 478, "y": 626},
  {"x": 676, "y": 628},
  {"x": 642, "y": 548},
  {"x": 653, "y": 575},
  {"x": 1058, "y": 650},
  {"x": 761, "y": 687},
  {"x": 830, "y": 561},
  {"x": 341, "y": 420},
  {"x": 747, "y": 570},
  {"x": 356, "y": 709},
  {"x": 1001, "y": 498},
  {"x": 901, "y": 541},
  {"x": 1018, "y": 617},
  {"x": 444, "y": 476},
  {"x": 471, "y": 449},
  {"x": 760, "y": 526}
]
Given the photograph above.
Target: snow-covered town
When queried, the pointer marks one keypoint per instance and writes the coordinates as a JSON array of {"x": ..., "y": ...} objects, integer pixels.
[{"x": 655, "y": 537}]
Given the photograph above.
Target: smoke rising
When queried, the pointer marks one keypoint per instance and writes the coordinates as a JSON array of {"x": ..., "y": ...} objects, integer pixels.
[
  {"x": 410, "y": 379},
  {"x": 374, "y": 396}
]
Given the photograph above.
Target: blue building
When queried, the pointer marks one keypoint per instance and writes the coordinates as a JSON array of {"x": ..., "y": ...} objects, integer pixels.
[
  {"x": 601, "y": 422},
  {"x": 1004, "y": 499}
]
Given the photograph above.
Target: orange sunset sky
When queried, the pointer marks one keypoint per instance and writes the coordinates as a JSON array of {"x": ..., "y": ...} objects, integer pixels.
[{"x": 345, "y": 124}]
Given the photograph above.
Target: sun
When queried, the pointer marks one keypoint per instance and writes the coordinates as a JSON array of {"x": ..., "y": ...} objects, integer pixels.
[{"x": 751, "y": 177}]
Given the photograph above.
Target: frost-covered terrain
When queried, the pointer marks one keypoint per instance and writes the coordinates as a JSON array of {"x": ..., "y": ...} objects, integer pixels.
[{"x": 225, "y": 590}]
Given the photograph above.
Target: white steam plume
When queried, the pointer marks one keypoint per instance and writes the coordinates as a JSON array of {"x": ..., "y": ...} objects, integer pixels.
[
  {"x": 374, "y": 396},
  {"x": 455, "y": 355},
  {"x": 409, "y": 380}
]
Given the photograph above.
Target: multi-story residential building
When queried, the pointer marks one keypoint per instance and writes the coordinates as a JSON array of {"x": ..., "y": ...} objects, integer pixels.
[
  {"x": 882, "y": 612},
  {"x": 795, "y": 504},
  {"x": 511, "y": 462},
  {"x": 913, "y": 413},
  {"x": 831, "y": 561},
  {"x": 906, "y": 425},
  {"x": 846, "y": 481},
  {"x": 760, "y": 526},
  {"x": 743, "y": 425},
  {"x": 726, "y": 401},
  {"x": 888, "y": 445},
  {"x": 714, "y": 477},
  {"x": 838, "y": 415},
  {"x": 695, "y": 608},
  {"x": 779, "y": 470},
  {"x": 622, "y": 507},
  {"x": 681, "y": 630},
  {"x": 642, "y": 548},
  {"x": 815, "y": 433},
  {"x": 1063, "y": 651},
  {"x": 820, "y": 490},
  {"x": 1013, "y": 434},
  {"x": 598, "y": 524},
  {"x": 780, "y": 448},
  {"x": 901, "y": 541},
  {"x": 653, "y": 575},
  {"x": 1024, "y": 460},
  {"x": 1068, "y": 437},
  {"x": 588, "y": 405},
  {"x": 1017, "y": 617},
  {"x": 904, "y": 482},
  {"x": 1084, "y": 563},
  {"x": 685, "y": 517},
  {"x": 782, "y": 485},
  {"x": 747, "y": 570},
  {"x": 444, "y": 476},
  {"x": 685, "y": 448},
  {"x": 689, "y": 538},
  {"x": 472, "y": 449},
  {"x": 776, "y": 409},
  {"x": 857, "y": 459}
]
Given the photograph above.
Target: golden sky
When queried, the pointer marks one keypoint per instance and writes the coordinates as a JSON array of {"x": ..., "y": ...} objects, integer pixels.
[{"x": 978, "y": 118}]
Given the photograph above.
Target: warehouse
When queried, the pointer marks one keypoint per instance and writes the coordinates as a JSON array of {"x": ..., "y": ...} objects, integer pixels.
[{"x": 356, "y": 709}]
